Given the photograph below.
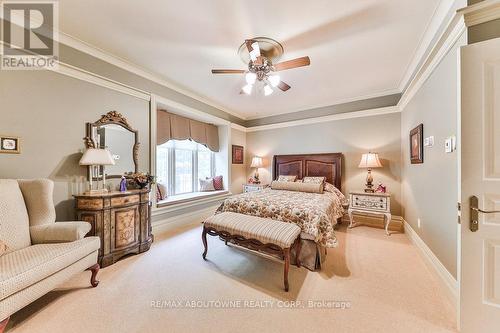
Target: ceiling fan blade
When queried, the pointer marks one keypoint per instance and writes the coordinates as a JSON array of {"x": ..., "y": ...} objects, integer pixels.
[
  {"x": 228, "y": 71},
  {"x": 283, "y": 86},
  {"x": 299, "y": 62}
]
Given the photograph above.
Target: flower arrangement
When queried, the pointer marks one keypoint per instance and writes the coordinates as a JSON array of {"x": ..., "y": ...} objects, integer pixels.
[{"x": 142, "y": 179}]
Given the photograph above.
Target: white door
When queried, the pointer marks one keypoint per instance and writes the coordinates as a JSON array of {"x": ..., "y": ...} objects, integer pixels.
[{"x": 480, "y": 133}]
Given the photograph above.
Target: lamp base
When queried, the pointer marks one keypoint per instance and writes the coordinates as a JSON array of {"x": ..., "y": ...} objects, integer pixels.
[{"x": 369, "y": 182}]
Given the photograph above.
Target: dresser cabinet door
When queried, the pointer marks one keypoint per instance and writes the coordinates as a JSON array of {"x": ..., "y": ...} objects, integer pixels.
[
  {"x": 95, "y": 218},
  {"x": 125, "y": 227}
]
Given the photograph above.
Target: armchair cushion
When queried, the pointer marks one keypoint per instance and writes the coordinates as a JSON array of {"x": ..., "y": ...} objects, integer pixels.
[
  {"x": 23, "y": 268},
  {"x": 14, "y": 220},
  {"x": 59, "y": 232},
  {"x": 37, "y": 195}
]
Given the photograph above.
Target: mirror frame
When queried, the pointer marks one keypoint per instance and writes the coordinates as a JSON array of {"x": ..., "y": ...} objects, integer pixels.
[{"x": 113, "y": 118}]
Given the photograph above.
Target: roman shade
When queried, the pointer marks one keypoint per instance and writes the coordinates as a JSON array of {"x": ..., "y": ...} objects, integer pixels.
[{"x": 174, "y": 127}]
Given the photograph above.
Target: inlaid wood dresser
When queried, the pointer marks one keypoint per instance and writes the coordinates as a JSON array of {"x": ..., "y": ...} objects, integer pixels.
[{"x": 122, "y": 220}]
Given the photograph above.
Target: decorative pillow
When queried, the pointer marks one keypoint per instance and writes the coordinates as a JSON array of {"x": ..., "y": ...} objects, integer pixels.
[
  {"x": 314, "y": 180},
  {"x": 297, "y": 186},
  {"x": 3, "y": 248},
  {"x": 218, "y": 185},
  {"x": 207, "y": 185},
  {"x": 161, "y": 192},
  {"x": 284, "y": 178}
]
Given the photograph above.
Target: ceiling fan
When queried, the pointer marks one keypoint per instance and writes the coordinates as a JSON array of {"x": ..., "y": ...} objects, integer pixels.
[{"x": 262, "y": 55}]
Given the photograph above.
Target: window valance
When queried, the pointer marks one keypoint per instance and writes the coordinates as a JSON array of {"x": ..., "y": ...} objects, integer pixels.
[{"x": 172, "y": 126}]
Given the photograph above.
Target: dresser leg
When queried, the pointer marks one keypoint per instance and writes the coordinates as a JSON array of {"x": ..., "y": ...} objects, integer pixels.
[
  {"x": 350, "y": 218},
  {"x": 387, "y": 222}
]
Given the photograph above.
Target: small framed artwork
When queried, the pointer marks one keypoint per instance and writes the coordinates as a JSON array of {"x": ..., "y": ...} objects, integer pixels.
[
  {"x": 417, "y": 145},
  {"x": 237, "y": 154},
  {"x": 9, "y": 145}
]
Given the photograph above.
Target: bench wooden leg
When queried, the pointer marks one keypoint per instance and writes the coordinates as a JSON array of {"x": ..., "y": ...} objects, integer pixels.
[
  {"x": 204, "y": 239},
  {"x": 286, "y": 254},
  {"x": 298, "y": 247},
  {"x": 3, "y": 324}
]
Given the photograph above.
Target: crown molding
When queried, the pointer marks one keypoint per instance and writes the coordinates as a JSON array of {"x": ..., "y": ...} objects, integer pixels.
[
  {"x": 238, "y": 127},
  {"x": 441, "y": 12},
  {"x": 334, "y": 117},
  {"x": 481, "y": 12},
  {"x": 71, "y": 41},
  {"x": 337, "y": 102},
  {"x": 96, "y": 52},
  {"x": 454, "y": 30}
]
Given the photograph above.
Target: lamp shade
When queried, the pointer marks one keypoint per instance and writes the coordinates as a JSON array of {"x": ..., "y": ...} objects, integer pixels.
[
  {"x": 94, "y": 156},
  {"x": 256, "y": 162},
  {"x": 370, "y": 160}
]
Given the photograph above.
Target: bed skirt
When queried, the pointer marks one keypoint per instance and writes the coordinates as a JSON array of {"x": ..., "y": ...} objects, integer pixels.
[{"x": 312, "y": 254}]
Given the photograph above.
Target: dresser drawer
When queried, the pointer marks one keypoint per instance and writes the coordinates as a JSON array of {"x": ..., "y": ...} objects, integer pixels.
[
  {"x": 121, "y": 201},
  {"x": 84, "y": 203},
  {"x": 369, "y": 202}
]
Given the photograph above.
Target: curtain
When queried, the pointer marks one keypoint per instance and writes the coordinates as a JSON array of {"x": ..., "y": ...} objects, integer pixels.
[{"x": 172, "y": 126}]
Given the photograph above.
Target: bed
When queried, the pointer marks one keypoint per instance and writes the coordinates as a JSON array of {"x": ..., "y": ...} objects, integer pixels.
[{"x": 316, "y": 214}]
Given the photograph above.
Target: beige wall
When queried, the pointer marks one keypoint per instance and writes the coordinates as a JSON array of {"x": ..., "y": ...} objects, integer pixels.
[
  {"x": 238, "y": 171},
  {"x": 352, "y": 137},
  {"x": 49, "y": 111},
  {"x": 430, "y": 190}
]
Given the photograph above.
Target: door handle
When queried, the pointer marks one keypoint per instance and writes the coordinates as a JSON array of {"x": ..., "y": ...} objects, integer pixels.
[
  {"x": 474, "y": 213},
  {"x": 485, "y": 211}
]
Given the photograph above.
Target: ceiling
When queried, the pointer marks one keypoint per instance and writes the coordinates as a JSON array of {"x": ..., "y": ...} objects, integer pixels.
[{"x": 358, "y": 49}]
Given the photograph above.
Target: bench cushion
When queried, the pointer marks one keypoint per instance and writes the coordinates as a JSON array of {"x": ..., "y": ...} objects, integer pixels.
[{"x": 264, "y": 230}]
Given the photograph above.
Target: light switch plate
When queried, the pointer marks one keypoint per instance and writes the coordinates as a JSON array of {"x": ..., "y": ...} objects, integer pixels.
[
  {"x": 450, "y": 144},
  {"x": 429, "y": 141}
]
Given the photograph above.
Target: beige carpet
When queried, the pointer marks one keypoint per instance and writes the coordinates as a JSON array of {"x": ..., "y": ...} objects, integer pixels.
[{"x": 383, "y": 281}]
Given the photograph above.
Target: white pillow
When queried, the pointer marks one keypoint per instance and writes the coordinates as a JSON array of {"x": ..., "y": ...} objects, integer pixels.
[{"x": 207, "y": 185}]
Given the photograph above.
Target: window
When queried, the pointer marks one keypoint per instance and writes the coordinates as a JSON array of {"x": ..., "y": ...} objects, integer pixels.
[{"x": 180, "y": 163}]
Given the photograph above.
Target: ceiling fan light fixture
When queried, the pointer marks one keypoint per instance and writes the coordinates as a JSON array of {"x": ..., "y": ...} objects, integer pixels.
[
  {"x": 247, "y": 89},
  {"x": 250, "y": 78},
  {"x": 268, "y": 90},
  {"x": 274, "y": 80}
]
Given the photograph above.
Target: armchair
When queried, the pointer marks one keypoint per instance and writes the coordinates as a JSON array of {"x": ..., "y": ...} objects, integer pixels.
[{"x": 37, "y": 253}]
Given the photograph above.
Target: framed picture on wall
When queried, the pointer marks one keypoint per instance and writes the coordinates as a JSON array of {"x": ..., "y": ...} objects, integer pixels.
[
  {"x": 237, "y": 154},
  {"x": 417, "y": 145},
  {"x": 9, "y": 145}
]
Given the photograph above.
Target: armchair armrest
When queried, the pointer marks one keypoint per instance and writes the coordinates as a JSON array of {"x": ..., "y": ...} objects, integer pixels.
[{"x": 59, "y": 232}]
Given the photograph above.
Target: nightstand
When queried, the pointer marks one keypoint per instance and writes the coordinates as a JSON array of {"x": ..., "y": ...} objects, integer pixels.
[
  {"x": 253, "y": 187},
  {"x": 372, "y": 203}
]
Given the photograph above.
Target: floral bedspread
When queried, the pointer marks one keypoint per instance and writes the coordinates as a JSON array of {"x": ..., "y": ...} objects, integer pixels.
[{"x": 316, "y": 214}]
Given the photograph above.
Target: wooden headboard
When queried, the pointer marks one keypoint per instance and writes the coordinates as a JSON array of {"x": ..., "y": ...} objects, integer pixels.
[{"x": 326, "y": 165}]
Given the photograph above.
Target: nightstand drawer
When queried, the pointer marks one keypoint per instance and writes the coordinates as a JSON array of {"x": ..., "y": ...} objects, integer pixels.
[{"x": 369, "y": 202}]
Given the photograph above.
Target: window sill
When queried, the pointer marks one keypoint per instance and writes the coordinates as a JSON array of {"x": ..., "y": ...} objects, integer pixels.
[{"x": 187, "y": 200}]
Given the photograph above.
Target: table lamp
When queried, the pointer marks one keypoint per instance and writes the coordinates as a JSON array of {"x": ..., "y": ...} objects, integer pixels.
[
  {"x": 96, "y": 157},
  {"x": 369, "y": 161},
  {"x": 256, "y": 163}
]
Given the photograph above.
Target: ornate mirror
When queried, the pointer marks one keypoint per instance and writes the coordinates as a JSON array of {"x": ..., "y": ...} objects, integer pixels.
[{"x": 113, "y": 132}]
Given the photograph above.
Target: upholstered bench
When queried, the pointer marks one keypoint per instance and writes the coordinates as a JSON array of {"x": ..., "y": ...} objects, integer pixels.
[{"x": 255, "y": 233}]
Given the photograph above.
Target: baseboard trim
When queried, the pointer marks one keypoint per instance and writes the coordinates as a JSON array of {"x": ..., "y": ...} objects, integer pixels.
[
  {"x": 187, "y": 219},
  {"x": 445, "y": 277}
]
